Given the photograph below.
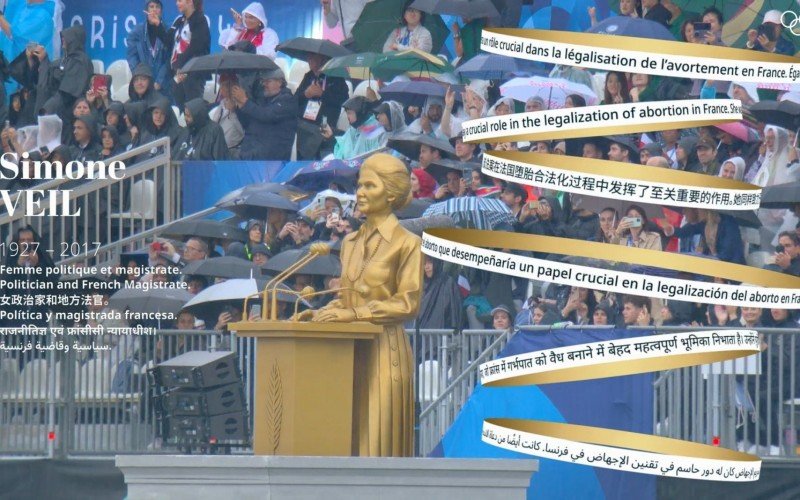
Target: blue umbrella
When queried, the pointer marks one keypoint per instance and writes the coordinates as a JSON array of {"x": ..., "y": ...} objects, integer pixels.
[
  {"x": 316, "y": 176},
  {"x": 488, "y": 67},
  {"x": 632, "y": 26},
  {"x": 564, "y": 15},
  {"x": 474, "y": 213}
]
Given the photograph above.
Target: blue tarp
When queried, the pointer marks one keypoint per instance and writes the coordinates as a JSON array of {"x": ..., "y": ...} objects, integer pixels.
[{"x": 624, "y": 403}]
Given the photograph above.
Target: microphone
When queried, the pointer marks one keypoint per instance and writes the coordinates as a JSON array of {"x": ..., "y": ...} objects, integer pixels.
[
  {"x": 362, "y": 290},
  {"x": 314, "y": 251}
]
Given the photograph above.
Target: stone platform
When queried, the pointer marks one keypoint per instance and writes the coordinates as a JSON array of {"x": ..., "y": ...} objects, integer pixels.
[{"x": 215, "y": 477}]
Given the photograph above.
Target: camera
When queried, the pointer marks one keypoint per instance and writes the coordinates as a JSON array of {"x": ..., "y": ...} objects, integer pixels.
[
  {"x": 779, "y": 249},
  {"x": 157, "y": 246},
  {"x": 701, "y": 30},
  {"x": 768, "y": 30}
]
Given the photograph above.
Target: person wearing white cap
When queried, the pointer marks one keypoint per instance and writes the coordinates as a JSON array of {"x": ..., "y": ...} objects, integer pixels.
[
  {"x": 251, "y": 25},
  {"x": 767, "y": 38}
]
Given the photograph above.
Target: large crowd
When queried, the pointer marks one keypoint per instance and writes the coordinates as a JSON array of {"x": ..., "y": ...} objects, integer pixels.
[{"x": 259, "y": 116}]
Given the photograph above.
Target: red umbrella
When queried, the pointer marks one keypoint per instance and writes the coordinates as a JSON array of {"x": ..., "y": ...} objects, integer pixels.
[{"x": 740, "y": 131}]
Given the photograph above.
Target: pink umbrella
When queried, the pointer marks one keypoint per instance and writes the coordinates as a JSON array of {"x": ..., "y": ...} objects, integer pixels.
[{"x": 740, "y": 131}]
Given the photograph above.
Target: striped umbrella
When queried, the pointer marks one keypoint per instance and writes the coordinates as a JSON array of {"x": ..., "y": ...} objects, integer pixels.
[{"x": 474, "y": 213}]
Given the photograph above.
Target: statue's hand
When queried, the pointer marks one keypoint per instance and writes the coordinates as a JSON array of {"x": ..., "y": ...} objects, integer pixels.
[
  {"x": 337, "y": 315},
  {"x": 306, "y": 315}
]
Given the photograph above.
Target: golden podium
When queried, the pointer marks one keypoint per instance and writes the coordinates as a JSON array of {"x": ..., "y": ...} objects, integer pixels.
[{"x": 304, "y": 386}]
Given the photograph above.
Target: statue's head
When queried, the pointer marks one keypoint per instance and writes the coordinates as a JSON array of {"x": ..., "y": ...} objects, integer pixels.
[{"x": 395, "y": 177}]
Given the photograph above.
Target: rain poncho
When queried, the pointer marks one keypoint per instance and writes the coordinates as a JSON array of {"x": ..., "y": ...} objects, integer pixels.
[
  {"x": 265, "y": 40},
  {"x": 205, "y": 139}
]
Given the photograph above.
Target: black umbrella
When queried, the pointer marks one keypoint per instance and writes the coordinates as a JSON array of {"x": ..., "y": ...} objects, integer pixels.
[
  {"x": 155, "y": 300},
  {"x": 229, "y": 61},
  {"x": 408, "y": 144},
  {"x": 288, "y": 191},
  {"x": 439, "y": 168},
  {"x": 253, "y": 205},
  {"x": 420, "y": 224},
  {"x": 781, "y": 195},
  {"x": 414, "y": 93},
  {"x": 784, "y": 114},
  {"x": 302, "y": 47},
  {"x": 468, "y": 9},
  {"x": 222, "y": 267},
  {"x": 632, "y": 27},
  {"x": 324, "y": 265},
  {"x": 204, "y": 228},
  {"x": 414, "y": 209}
]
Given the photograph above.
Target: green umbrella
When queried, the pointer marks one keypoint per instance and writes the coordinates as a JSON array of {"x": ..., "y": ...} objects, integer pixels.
[
  {"x": 352, "y": 66},
  {"x": 380, "y": 17},
  {"x": 411, "y": 62}
]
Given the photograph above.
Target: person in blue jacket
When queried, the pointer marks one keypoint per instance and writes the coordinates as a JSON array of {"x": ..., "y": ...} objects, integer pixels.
[
  {"x": 721, "y": 235},
  {"x": 145, "y": 47}
]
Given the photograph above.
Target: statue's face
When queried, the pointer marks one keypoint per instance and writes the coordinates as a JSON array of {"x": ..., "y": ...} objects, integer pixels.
[{"x": 371, "y": 196}]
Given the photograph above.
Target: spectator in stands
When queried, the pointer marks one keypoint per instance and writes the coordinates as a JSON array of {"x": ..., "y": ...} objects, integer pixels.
[
  {"x": 260, "y": 254},
  {"x": 623, "y": 150},
  {"x": 391, "y": 117},
  {"x": 87, "y": 145},
  {"x": 548, "y": 218},
  {"x": 188, "y": 37},
  {"x": 467, "y": 38},
  {"x": 501, "y": 317},
  {"x": 430, "y": 120},
  {"x": 706, "y": 158},
  {"x": 114, "y": 117},
  {"x": 605, "y": 313},
  {"x": 422, "y": 183},
  {"x": 251, "y": 25},
  {"x": 686, "y": 154},
  {"x": 146, "y": 49},
  {"x": 632, "y": 231},
  {"x": 32, "y": 21},
  {"x": 465, "y": 151},
  {"x": 652, "y": 10},
  {"x": 195, "y": 249},
  {"x": 721, "y": 235},
  {"x": 649, "y": 151},
  {"x": 608, "y": 218},
  {"x": 269, "y": 119},
  {"x": 204, "y": 139},
  {"x": 676, "y": 313},
  {"x": 636, "y": 311},
  {"x": 788, "y": 257},
  {"x": 452, "y": 185},
  {"x": 579, "y": 307},
  {"x": 615, "y": 90},
  {"x": 412, "y": 34},
  {"x": 16, "y": 107},
  {"x": 133, "y": 114},
  {"x": 224, "y": 113},
  {"x": 294, "y": 234},
  {"x": 160, "y": 121},
  {"x": 364, "y": 134},
  {"x": 255, "y": 236},
  {"x": 62, "y": 81},
  {"x": 109, "y": 142},
  {"x": 713, "y": 16},
  {"x": 733, "y": 169},
  {"x": 318, "y": 96},
  {"x": 441, "y": 302},
  {"x": 427, "y": 156},
  {"x": 514, "y": 196},
  {"x": 142, "y": 87},
  {"x": 767, "y": 38}
]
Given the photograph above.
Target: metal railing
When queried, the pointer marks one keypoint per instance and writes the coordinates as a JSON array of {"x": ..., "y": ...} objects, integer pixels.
[
  {"x": 73, "y": 402},
  {"x": 110, "y": 209},
  {"x": 750, "y": 404}
]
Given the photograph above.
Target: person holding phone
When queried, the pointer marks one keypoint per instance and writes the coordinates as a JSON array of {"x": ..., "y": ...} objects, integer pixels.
[
  {"x": 251, "y": 26},
  {"x": 767, "y": 38},
  {"x": 146, "y": 49},
  {"x": 188, "y": 37},
  {"x": 632, "y": 232}
]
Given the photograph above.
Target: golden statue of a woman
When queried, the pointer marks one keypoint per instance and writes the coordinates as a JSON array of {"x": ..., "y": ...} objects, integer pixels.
[{"x": 383, "y": 261}]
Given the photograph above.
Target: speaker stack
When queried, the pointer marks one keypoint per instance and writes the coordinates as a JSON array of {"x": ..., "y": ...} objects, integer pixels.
[{"x": 200, "y": 401}]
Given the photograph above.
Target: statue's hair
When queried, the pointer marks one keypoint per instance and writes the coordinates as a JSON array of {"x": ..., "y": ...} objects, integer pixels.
[{"x": 395, "y": 177}]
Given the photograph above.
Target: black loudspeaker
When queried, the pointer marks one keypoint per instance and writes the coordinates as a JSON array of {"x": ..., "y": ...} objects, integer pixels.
[
  {"x": 212, "y": 430},
  {"x": 198, "y": 370},
  {"x": 217, "y": 401}
]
